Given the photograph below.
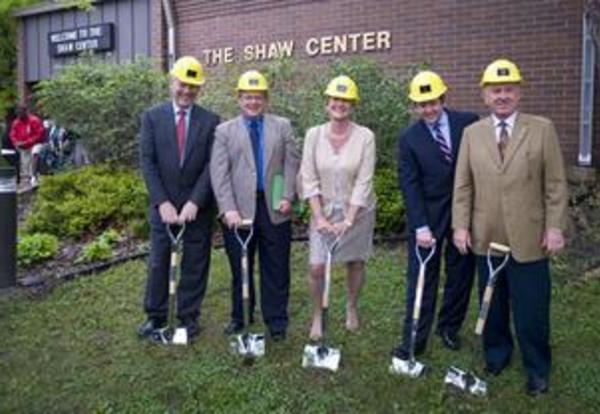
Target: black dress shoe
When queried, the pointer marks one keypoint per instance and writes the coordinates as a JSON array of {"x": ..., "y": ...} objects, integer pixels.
[
  {"x": 278, "y": 335},
  {"x": 536, "y": 386},
  {"x": 150, "y": 326},
  {"x": 191, "y": 325},
  {"x": 234, "y": 327},
  {"x": 404, "y": 354},
  {"x": 450, "y": 340}
]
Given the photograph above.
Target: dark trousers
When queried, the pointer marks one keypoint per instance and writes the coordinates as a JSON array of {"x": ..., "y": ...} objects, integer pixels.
[
  {"x": 524, "y": 287},
  {"x": 193, "y": 277},
  {"x": 457, "y": 290},
  {"x": 273, "y": 242}
]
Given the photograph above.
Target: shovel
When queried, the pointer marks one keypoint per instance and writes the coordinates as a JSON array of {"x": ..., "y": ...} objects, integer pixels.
[
  {"x": 467, "y": 380},
  {"x": 411, "y": 367},
  {"x": 247, "y": 344},
  {"x": 322, "y": 356},
  {"x": 171, "y": 335}
]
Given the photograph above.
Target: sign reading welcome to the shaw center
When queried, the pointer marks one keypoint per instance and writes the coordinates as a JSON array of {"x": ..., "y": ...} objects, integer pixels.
[
  {"x": 348, "y": 43},
  {"x": 98, "y": 37}
]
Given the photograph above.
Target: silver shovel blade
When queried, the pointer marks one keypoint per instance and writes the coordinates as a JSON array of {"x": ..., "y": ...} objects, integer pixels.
[
  {"x": 168, "y": 336},
  {"x": 466, "y": 381},
  {"x": 248, "y": 345},
  {"x": 180, "y": 337},
  {"x": 316, "y": 356},
  {"x": 410, "y": 368}
]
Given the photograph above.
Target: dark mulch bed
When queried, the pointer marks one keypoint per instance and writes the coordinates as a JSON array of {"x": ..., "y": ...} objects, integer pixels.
[{"x": 38, "y": 279}]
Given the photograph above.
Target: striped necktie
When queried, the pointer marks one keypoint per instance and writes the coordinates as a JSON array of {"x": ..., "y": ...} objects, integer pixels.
[{"x": 441, "y": 141}]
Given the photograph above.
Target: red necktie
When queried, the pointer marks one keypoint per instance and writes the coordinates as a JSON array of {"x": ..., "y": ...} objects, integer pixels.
[{"x": 180, "y": 133}]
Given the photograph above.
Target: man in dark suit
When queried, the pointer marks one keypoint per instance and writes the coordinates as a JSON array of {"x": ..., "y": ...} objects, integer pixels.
[
  {"x": 427, "y": 151},
  {"x": 175, "y": 145}
]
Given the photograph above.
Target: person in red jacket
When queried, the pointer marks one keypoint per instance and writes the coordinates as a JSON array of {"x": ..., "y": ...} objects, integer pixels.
[{"x": 27, "y": 136}]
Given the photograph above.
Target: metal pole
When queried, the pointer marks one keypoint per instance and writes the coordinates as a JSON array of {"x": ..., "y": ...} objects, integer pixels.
[
  {"x": 586, "y": 122},
  {"x": 8, "y": 227}
]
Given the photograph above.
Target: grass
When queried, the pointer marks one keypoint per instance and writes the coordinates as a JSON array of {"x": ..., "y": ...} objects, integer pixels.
[{"x": 75, "y": 350}]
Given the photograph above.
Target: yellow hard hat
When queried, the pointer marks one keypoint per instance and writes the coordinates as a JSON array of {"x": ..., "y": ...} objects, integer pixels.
[
  {"x": 188, "y": 70},
  {"x": 426, "y": 86},
  {"x": 252, "y": 81},
  {"x": 501, "y": 71},
  {"x": 342, "y": 87}
]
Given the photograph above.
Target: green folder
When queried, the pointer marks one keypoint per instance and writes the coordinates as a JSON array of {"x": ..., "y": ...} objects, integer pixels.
[{"x": 276, "y": 190}]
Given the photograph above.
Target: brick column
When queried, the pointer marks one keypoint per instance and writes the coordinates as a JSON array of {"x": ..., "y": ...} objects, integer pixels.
[{"x": 158, "y": 33}]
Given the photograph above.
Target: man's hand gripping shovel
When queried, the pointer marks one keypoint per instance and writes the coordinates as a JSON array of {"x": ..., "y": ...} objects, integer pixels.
[
  {"x": 248, "y": 345},
  {"x": 411, "y": 367},
  {"x": 467, "y": 380},
  {"x": 171, "y": 335}
]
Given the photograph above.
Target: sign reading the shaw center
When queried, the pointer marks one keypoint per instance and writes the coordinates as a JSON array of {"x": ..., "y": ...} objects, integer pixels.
[
  {"x": 348, "y": 43},
  {"x": 96, "y": 38}
]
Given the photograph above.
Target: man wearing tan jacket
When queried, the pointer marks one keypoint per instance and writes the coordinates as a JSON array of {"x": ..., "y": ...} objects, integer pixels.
[
  {"x": 510, "y": 188},
  {"x": 253, "y": 170}
]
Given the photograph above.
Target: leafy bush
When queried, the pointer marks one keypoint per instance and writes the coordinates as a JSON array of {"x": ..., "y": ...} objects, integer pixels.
[
  {"x": 296, "y": 92},
  {"x": 35, "y": 248},
  {"x": 99, "y": 249},
  {"x": 102, "y": 102},
  {"x": 88, "y": 200},
  {"x": 390, "y": 204},
  {"x": 140, "y": 228}
]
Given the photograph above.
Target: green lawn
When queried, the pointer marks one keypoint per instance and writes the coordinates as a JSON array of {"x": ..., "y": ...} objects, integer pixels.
[{"x": 75, "y": 350}]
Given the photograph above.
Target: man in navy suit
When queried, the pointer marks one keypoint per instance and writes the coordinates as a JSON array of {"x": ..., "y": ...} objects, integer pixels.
[
  {"x": 427, "y": 152},
  {"x": 175, "y": 144}
]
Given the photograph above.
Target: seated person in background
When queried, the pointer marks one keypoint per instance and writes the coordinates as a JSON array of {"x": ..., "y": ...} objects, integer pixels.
[{"x": 27, "y": 136}]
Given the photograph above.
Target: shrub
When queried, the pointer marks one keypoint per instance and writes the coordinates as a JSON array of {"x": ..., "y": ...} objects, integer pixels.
[
  {"x": 102, "y": 102},
  {"x": 88, "y": 200},
  {"x": 390, "y": 204},
  {"x": 296, "y": 92},
  {"x": 99, "y": 249},
  {"x": 140, "y": 228},
  {"x": 35, "y": 248}
]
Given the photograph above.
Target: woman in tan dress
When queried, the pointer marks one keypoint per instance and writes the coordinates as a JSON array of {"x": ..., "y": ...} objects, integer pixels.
[{"x": 338, "y": 163}]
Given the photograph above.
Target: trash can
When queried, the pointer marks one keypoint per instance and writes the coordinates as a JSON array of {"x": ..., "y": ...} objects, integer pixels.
[
  {"x": 12, "y": 157},
  {"x": 8, "y": 227}
]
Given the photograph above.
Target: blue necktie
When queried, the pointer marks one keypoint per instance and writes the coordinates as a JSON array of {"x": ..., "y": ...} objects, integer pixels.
[
  {"x": 438, "y": 137},
  {"x": 255, "y": 139}
]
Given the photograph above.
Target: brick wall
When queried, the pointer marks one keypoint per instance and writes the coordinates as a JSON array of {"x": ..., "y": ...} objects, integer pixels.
[{"x": 457, "y": 37}]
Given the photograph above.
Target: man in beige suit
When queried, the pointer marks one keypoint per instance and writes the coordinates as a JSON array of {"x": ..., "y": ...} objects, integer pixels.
[
  {"x": 253, "y": 171},
  {"x": 510, "y": 188}
]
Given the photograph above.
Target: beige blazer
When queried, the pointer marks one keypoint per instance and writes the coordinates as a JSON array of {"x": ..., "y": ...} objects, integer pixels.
[
  {"x": 512, "y": 202},
  {"x": 233, "y": 170},
  {"x": 347, "y": 178}
]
